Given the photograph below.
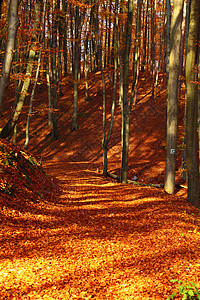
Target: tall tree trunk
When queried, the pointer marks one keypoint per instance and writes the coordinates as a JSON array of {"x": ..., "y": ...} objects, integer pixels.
[
  {"x": 160, "y": 55},
  {"x": 136, "y": 54},
  {"x": 145, "y": 18},
  {"x": 172, "y": 99},
  {"x": 7, "y": 130},
  {"x": 125, "y": 102},
  {"x": 106, "y": 139},
  {"x": 153, "y": 66},
  {"x": 13, "y": 23},
  {"x": 79, "y": 20},
  {"x": 64, "y": 29},
  {"x": 168, "y": 25},
  {"x": 54, "y": 132},
  {"x": 36, "y": 78},
  {"x": 192, "y": 104},
  {"x": 74, "y": 125}
]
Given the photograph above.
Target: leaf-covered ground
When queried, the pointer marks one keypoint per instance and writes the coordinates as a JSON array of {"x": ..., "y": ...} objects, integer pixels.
[{"x": 69, "y": 233}]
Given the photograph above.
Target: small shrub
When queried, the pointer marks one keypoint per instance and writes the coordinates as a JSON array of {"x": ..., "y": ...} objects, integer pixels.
[
  {"x": 188, "y": 290},
  {"x": 6, "y": 188}
]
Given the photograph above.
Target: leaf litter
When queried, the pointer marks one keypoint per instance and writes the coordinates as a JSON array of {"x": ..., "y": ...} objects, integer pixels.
[{"x": 69, "y": 233}]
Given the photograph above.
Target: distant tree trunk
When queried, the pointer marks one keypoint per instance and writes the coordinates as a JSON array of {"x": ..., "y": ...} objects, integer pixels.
[
  {"x": 182, "y": 47},
  {"x": 106, "y": 139},
  {"x": 125, "y": 102},
  {"x": 13, "y": 23},
  {"x": 184, "y": 156},
  {"x": 168, "y": 25},
  {"x": 172, "y": 99},
  {"x": 74, "y": 125},
  {"x": 192, "y": 105},
  {"x": 36, "y": 78},
  {"x": 153, "y": 66},
  {"x": 136, "y": 55},
  {"x": 160, "y": 55},
  {"x": 145, "y": 18},
  {"x": 87, "y": 97},
  {"x": 54, "y": 131},
  {"x": 48, "y": 59},
  {"x": 78, "y": 28},
  {"x": 64, "y": 29},
  {"x": 60, "y": 46}
]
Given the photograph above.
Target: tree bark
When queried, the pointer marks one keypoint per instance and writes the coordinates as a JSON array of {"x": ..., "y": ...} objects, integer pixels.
[
  {"x": 192, "y": 105},
  {"x": 36, "y": 78},
  {"x": 13, "y": 23},
  {"x": 172, "y": 99},
  {"x": 125, "y": 102}
]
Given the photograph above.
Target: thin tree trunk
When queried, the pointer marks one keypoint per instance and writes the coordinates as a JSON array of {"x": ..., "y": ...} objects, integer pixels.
[
  {"x": 78, "y": 28},
  {"x": 106, "y": 139},
  {"x": 160, "y": 57},
  {"x": 36, "y": 78},
  {"x": 168, "y": 13},
  {"x": 153, "y": 66},
  {"x": 125, "y": 102},
  {"x": 54, "y": 132},
  {"x": 136, "y": 55}
]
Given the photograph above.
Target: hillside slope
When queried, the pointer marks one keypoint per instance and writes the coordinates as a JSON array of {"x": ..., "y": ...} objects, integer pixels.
[{"x": 73, "y": 234}]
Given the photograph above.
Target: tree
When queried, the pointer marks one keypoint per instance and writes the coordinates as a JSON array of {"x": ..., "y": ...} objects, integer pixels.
[
  {"x": 13, "y": 23},
  {"x": 7, "y": 130},
  {"x": 36, "y": 77},
  {"x": 136, "y": 62},
  {"x": 172, "y": 97},
  {"x": 192, "y": 105},
  {"x": 125, "y": 102},
  {"x": 79, "y": 20},
  {"x": 54, "y": 131}
]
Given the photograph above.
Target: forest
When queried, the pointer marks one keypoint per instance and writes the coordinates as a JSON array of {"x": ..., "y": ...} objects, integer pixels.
[{"x": 99, "y": 149}]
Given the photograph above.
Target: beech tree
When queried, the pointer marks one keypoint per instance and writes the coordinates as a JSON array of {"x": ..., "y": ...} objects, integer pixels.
[
  {"x": 172, "y": 96},
  {"x": 125, "y": 101},
  {"x": 192, "y": 104},
  {"x": 9, "y": 127},
  {"x": 13, "y": 23},
  {"x": 79, "y": 20}
]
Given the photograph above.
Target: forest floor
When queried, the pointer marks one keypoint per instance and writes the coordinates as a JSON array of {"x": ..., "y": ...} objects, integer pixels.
[{"x": 70, "y": 233}]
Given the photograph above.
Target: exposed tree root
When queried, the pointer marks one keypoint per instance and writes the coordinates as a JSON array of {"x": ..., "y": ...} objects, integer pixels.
[{"x": 143, "y": 184}]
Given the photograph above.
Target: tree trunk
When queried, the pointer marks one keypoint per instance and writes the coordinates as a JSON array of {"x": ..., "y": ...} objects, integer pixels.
[
  {"x": 192, "y": 105},
  {"x": 125, "y": 102},
  {"x": 106, "y": 139},
  {"x": 54, "y": 131},
  {"x": 78, "y": 28},
  {"x": 175, "y": 38},
  {"x": 136, "y": 54},
  {"x": 168, "y": 25},
  {"x": 9, "y": 127},
  {"x": 13, "y": 23},
  {"x": 36, "y": 78}
]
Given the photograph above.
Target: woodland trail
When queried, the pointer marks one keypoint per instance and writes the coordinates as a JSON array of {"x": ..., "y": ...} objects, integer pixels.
[
  {"x": 121, "y": 242},
  {"x": 99, "y": 239}
]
